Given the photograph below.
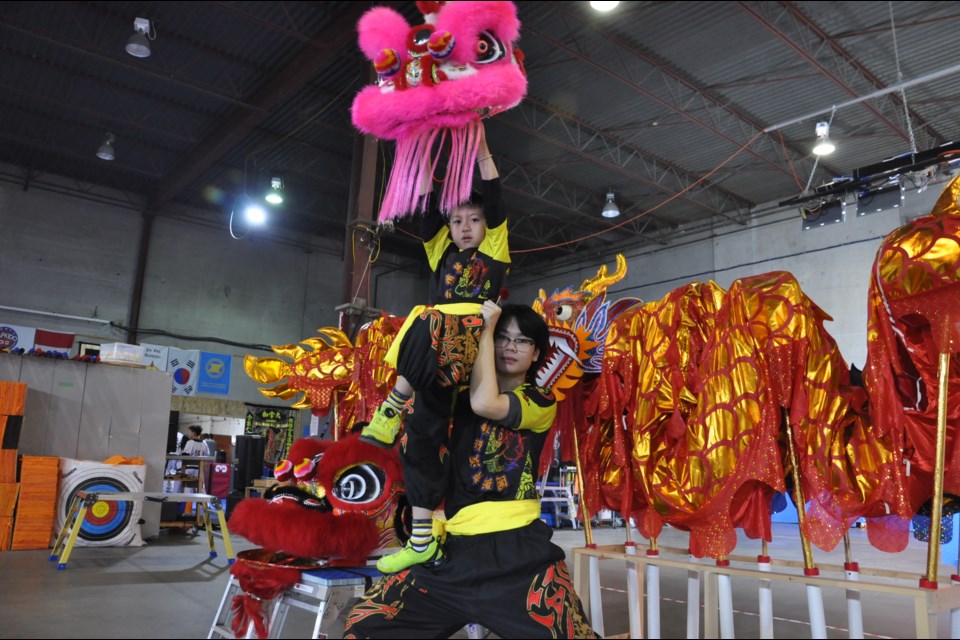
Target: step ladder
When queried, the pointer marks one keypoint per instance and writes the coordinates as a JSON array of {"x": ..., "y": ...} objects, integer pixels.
[
  {"x": 324, "y": 593},
  {"x": 562, "y": 500}
]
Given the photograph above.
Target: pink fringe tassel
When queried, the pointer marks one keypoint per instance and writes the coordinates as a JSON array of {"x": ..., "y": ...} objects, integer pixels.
[{"x": 415, "y": 162}]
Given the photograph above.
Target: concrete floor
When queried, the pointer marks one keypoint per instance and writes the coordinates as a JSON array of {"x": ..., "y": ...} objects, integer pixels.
[{"x": 171, "y": 589}]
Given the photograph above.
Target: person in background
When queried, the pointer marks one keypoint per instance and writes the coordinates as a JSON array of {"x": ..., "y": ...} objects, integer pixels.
[
  {"x": 212, "y": 445},
  {"x": 195, "y": 446}
]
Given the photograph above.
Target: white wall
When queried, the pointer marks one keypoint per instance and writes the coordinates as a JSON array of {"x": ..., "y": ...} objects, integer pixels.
[
  {"x": 217, "y": 425},
  {"x": 66, "y": 255},
  {"x": 62, "y": 255},
  {"x": 832, "y": 263}
]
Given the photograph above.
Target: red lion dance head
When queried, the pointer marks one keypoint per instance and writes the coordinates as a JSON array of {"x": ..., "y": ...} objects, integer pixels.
[
  {"x": 339, "y": 501},
  {"x": 437, "y": 79}
]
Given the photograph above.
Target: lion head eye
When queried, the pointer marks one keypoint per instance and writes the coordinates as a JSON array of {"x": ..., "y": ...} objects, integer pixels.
[
  {"x": 489, "y": 49},
  {"x": 360, "y": 484}
]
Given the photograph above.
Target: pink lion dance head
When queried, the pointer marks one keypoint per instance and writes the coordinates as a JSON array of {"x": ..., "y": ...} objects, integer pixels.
[{"x": 437, "y": 80}]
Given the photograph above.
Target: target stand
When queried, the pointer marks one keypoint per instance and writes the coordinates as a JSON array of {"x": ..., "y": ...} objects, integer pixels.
[{"x": 85, "y": 502}]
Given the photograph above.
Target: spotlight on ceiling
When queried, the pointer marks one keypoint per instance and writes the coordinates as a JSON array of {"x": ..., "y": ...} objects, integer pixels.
[
  {"x": 275, "y": 195},
  {"x": 245, "y": 214},
  {"x": 105, "y": 152},
  {"x": 255, "y": 215},
  {"x": 139, "y": 43},
  {"x": 610, "y": 208},
  {"x": 599, "y": 5},
  {"x": 823, "y": 147}
]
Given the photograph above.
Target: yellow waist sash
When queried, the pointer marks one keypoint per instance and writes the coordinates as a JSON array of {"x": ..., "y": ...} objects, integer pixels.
[
  {"x": 489, "y": 517},
  {"x": 454, "y": 308}
]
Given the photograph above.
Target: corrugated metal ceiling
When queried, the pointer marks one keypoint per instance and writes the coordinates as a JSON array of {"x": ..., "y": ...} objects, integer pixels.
[{"x": 649, "y": 100}]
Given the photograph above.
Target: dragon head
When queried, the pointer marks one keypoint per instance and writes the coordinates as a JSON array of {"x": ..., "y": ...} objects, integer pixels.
[{"x": 578, "y": 319}]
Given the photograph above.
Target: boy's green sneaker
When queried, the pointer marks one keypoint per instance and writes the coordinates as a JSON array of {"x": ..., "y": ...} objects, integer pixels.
[
  {"x": 432, "y": 556},
  {"x": 383, "y": 428}
]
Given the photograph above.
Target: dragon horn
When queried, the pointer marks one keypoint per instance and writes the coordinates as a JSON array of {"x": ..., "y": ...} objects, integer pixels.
[
  {"x": 538, "y": 303},
  {"x": 599, "y": 284}
]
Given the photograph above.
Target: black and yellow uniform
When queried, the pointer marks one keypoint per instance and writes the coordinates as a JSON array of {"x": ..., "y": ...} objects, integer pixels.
[
  {"x": 437, "y": 344},
  {"x": 470, "y": 275},
  {"x": 502, "y": 571}
]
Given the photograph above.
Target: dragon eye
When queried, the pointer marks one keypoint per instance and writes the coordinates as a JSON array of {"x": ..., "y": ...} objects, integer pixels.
[
  {"x": 564, "y": 312},
  {"x": 360, "y": 484},
  {"x": 489, "y": 49}
]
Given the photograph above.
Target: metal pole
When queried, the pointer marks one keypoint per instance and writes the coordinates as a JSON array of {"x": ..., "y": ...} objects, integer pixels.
[
  {"x": 766, "y": 595},
  {"x": 587, "y": 531},
  {"x": 854, "y": 610},
  {"x": 596, "y": 603},
  {"x": 818, "y": 625},
  {"x": 870, "y": 96},
  {"x": 929, "y": 581}
]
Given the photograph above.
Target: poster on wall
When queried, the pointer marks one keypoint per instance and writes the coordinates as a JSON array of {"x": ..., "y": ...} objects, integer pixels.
[
  {"x": 155, "y": 356},
  {"x": 16, "y": 337},
  {"x": 183, "y": 363},
  {"x": 275, "y": 424},
  {"x": 214, "y": 373}
]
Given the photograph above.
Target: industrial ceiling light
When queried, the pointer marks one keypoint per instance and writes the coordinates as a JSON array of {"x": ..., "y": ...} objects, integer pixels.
[
  {"x": 245, "y": 214},
  {"x": 105, "y": 152},
  {"x": 823, "y": 147},
  {"x": 255, "y": 215},
  {"x": 599, "y": 5},
  {"x": 610, "y": 208},
  {"x": 139, "y": 43},
  {"x": 275, "y": 195}
]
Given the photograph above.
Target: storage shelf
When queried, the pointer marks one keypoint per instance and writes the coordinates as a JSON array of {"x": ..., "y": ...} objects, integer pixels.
[{"x": 198, "y": 462}]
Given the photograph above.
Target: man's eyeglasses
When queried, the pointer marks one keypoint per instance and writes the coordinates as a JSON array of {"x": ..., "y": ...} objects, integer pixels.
[{"x": 519, "y": 344}]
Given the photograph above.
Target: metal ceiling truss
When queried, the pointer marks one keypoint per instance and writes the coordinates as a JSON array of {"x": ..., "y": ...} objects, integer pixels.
[
  {"x": 686, "y": 98},
  {"x": 809, "y": 41},
  {"x": 104, "y": 83},
  {"x": 123, "y": 60},
  {"x": 75, "y": 124},
  {"x": 64, "y": 152},
  {"x": 569, "y": 197},
  {"x": 32, "y": 177},
  {"x": 632, "y": 161},
  {"x": 542, "y": 235},
  {"x": 237, "y": 125}
]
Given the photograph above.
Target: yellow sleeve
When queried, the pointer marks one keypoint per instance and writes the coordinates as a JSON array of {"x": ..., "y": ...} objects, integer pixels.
[
  {"x": 436, "y": 245},
  {"x": 538, "y": 408},
  {"x": 495, "y": 243}
]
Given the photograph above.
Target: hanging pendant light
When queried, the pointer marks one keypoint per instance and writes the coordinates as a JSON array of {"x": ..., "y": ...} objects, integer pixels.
[{"x": 610, "y": 208}]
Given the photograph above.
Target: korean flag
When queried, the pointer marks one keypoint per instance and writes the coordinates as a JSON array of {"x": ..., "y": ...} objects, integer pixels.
[{"x": 183, "y": 363}]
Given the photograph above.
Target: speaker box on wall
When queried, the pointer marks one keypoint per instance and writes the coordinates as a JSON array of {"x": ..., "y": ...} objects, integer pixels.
[
  {"x": 173, "y": 431},
  {"x": 248, "y": 461}
]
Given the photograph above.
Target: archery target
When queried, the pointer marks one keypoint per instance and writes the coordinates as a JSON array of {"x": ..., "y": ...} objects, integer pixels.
[{"x": 106, "y": 523}]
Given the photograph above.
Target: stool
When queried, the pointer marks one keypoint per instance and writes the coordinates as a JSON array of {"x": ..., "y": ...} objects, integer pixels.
[{"x": 323, "y": 592}]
